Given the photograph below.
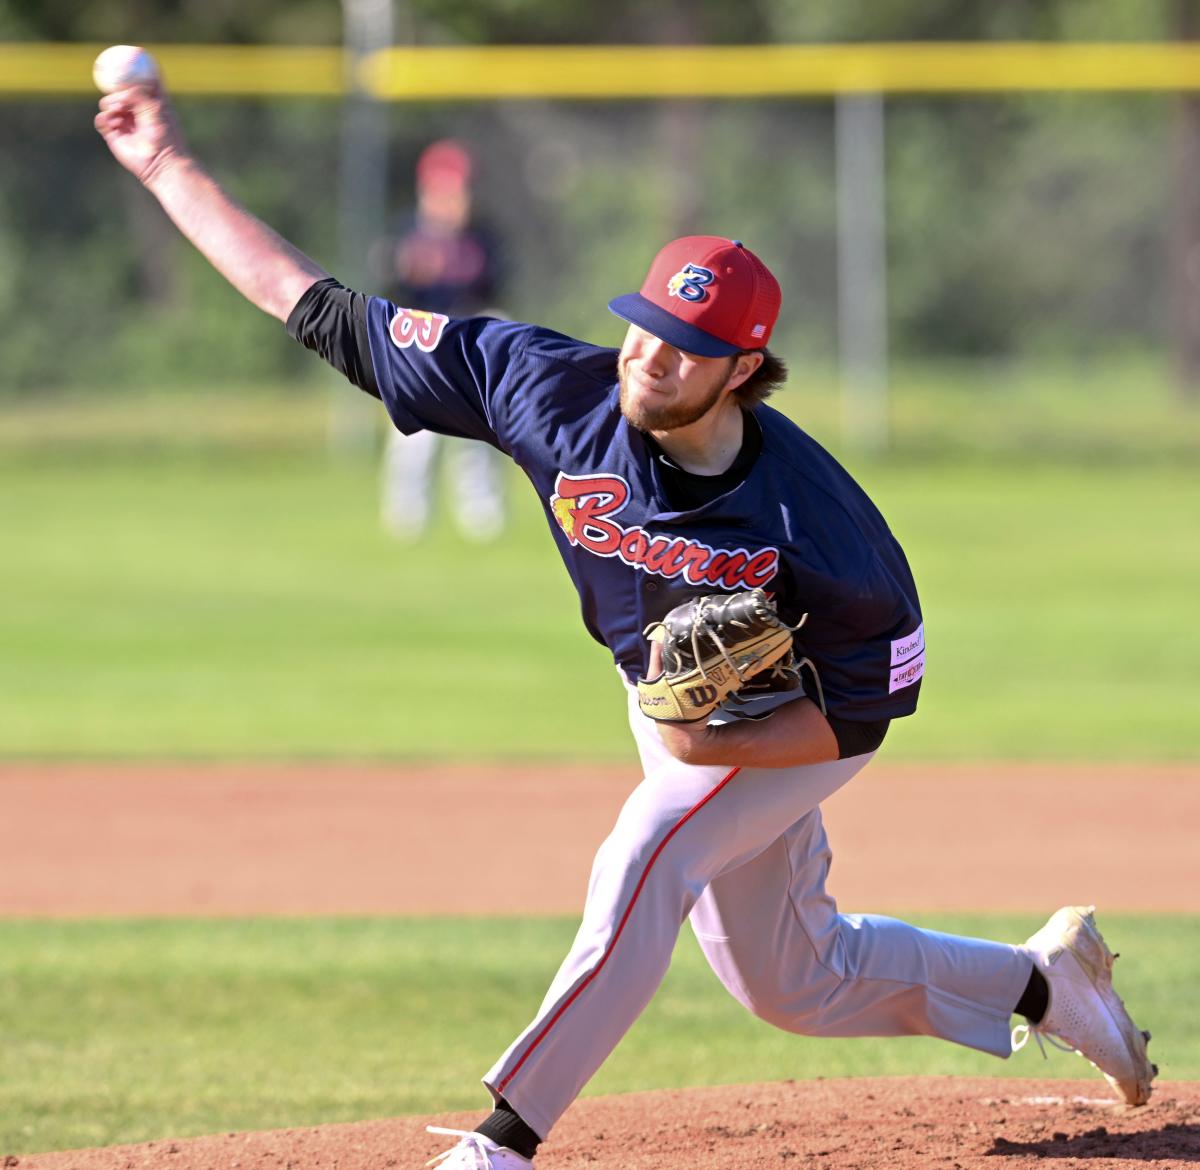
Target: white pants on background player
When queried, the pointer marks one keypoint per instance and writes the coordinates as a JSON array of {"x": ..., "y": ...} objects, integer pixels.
[
  {"x": 410, "y": 466},
  {"x": 743, "y": 854}
]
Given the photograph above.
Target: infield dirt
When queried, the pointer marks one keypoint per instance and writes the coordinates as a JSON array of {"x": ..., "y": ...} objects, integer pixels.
[
  {"x": 335, "y": 838},
  {"x": 866, "y": 1124},
  {"x": 85, "y": 840}
]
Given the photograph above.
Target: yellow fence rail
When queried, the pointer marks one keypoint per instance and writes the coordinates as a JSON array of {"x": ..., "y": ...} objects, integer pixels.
[
  {"x": 620, "y": 72},
  {"x": 52, "y": 70}
]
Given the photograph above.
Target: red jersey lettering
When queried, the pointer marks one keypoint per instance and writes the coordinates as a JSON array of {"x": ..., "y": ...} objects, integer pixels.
[
  {"x": 584, "y": 507},
  {"x": 416, "y": 327}
]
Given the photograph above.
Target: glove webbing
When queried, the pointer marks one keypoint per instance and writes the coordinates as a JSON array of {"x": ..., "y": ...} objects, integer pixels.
[{"x": 700, "y": 620}]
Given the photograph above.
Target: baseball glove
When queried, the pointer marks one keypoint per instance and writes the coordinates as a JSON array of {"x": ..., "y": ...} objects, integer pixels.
[{"x": 711, "y": 647}]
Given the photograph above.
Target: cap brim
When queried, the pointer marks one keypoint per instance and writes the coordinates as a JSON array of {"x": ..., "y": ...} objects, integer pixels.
[{"x": 637, "y": 310}]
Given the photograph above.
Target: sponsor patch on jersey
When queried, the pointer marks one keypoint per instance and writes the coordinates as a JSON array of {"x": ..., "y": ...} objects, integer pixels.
[
  {"x": 690, "y": 283},
  {"x": 906, "y": 675},
  {"x": 909, "y": 646},
  {"x": 584, "y": 506},
  {"x": 416, "y": 327}
]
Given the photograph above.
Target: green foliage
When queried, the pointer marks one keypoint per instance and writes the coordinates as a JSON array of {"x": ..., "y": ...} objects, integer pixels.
[
  {"x": 122, "y": 1031},
  {"x": 102, "y": 291},
  {"x": 948, "y": 20},
  {"x": 1034, "y": 261},
  {"x": 1017, "y": 225},
  {"x": 620, "y": 21},
  {"x": 149, "y": 21}
]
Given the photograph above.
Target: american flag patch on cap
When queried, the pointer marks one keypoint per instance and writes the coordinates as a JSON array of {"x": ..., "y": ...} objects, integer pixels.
[{"x": 758, "y": 330}]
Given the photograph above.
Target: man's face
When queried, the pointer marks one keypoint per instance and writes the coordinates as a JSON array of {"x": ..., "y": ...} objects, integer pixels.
[{"x": 663, "y": 388}]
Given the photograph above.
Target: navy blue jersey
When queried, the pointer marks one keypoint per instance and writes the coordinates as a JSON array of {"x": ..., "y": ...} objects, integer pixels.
[{"x": 798, "y": 525}]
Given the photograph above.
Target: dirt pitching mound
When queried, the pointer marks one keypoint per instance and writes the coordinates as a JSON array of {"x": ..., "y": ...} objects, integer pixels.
[{"x": 867, "y": 1124}]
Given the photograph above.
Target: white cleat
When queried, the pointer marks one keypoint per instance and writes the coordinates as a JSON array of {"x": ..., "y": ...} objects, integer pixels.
[
  {"x": 1084, "y": 1012},
  {"x": 476, "y": 1152}
]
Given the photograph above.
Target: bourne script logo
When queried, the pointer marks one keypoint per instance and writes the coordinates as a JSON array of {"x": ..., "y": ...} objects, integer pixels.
[{"x": 584, "y": 504}]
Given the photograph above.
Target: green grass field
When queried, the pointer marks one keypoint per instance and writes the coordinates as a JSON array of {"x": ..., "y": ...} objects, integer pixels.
[
  {"x": 236, "y": 604},
  {"x": 194, "y": 578},
  {"x": 125, "y": 1031}
]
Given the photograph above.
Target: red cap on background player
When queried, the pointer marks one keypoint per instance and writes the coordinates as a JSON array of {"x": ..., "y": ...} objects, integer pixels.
[
  {"x": 705, "y": 295},
  {"x": 444, "y": 165}
]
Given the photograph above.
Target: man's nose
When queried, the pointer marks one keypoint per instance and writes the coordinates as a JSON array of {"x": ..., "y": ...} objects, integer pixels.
[{"x": 654, "y": 354}]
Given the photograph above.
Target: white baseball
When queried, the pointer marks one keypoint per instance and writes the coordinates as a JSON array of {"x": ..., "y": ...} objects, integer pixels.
[{"x": 123, "y": 65}]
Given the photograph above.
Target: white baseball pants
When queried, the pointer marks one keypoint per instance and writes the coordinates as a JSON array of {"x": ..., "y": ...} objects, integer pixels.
[
  {"x": 475, "y": 471},
  {"x": 743, "y": 854}
]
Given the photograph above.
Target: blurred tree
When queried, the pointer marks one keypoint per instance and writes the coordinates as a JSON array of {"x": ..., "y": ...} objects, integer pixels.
[
  {"x": 569, "y": 22},
  {"x": 226, "y": 21},
  {"x": 1016, "y": 224}
]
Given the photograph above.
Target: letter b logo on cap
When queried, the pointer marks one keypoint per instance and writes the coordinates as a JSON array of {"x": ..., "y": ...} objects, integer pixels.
[
  {"x": 705, "y": 295},
  {"x": 688, "y": 283}
]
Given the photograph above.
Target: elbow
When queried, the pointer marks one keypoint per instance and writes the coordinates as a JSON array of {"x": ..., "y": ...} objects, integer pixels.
[{"x": 282, "y": 298}]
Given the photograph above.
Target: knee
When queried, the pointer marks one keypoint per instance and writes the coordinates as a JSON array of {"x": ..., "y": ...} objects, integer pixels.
[
  {"x": 798, "y": 994},
  {"x": 793, "y": 1008}
]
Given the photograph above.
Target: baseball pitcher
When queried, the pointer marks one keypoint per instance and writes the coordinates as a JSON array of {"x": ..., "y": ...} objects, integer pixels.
[{"x": 764, "y": 623}]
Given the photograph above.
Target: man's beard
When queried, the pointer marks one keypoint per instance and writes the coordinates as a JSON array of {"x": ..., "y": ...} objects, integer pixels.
[{"x": 671, "y": 415}]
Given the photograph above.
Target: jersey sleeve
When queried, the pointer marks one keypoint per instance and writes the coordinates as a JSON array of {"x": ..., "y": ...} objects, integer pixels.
[
  {"x": 432, "y": 372},
  {"x": 444, "y": 374},
  {"x": 857, "y": 737},
  {"x": 331, "y": 320},
  {"x": 869, "y": 648}
]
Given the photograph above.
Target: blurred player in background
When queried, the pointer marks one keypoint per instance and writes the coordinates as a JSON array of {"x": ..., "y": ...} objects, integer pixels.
[{"x": 442, "y": 262}]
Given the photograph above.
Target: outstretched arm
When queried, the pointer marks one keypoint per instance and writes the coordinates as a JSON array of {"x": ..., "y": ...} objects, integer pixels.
[{"x": 140, "y": 129}]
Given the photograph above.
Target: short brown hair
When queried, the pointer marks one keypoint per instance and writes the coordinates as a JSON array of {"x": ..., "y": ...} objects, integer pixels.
[{"x": 764, "y": 381}]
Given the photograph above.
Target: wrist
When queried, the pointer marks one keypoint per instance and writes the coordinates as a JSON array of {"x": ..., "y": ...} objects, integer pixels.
[
  {"x": 163, "y": 166},
  {"x": 692, "y": 743}
]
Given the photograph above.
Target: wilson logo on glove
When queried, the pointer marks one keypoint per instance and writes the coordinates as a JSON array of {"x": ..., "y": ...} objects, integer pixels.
[
  {"x": 701, "y": 696},
  {"x": 711, "y": 647}
]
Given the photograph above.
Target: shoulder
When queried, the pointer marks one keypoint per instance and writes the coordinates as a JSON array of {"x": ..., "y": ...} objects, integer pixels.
[
  {"x": 557, "y": 380},
  {"x": 835, "y": 531},
  {"x": 787, "y": 442},
  {"x": 592, "y": 362},
  {"x": 807, "y": 469},
  {"x": 414, "y": 328},
  {"x": 808, "y": 475}
]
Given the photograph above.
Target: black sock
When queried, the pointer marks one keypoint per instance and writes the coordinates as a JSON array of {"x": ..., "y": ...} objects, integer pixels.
[
  {"x": 1035, "y": 998},
  {"x": 505, "y": 1128}
]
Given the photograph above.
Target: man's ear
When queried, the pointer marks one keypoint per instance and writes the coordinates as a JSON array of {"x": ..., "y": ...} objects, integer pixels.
[{"x": 743, "y": 366}]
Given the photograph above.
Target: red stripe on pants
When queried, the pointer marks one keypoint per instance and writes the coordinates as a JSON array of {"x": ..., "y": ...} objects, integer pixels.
[{"x": 616, "y": 937}]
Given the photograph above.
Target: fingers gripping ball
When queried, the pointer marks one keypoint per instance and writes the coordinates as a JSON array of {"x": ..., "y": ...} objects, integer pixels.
[
  {"x": 711, "y": 647},
  {"x": 123, "y": 65}
]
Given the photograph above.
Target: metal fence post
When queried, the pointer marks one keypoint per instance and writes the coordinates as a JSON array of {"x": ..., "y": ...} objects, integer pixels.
[
  {"x": 362, "y": 197},
  {"x": 862, "y": 270}
]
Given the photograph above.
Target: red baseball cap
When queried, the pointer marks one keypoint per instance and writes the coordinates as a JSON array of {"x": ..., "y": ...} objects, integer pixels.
[
  {"x": 705, "y": 295},
  {"x": 444, "y": 165}
]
